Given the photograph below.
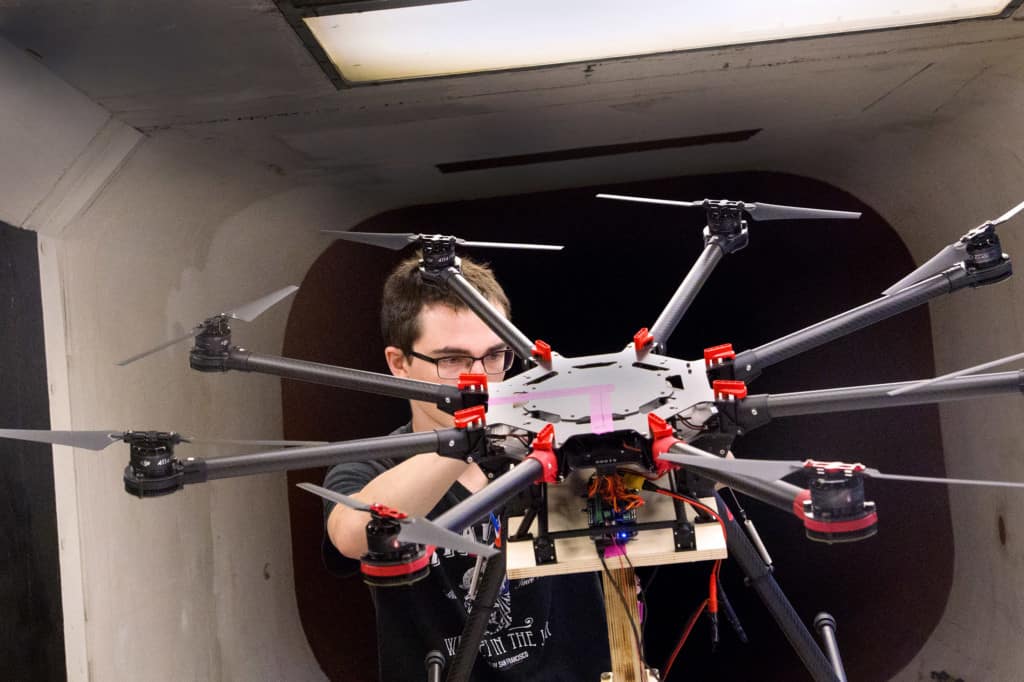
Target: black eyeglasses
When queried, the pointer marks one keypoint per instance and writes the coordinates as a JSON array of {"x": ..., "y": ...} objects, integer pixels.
[{"x": 451, "y": 366}]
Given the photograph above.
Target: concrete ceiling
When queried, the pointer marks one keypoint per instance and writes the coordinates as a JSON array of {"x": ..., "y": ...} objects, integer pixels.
[{"x": 235, "y": 74}]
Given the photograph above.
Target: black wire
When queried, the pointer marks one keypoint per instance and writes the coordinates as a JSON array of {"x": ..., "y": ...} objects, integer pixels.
[
  {"x": 643, "y": 593},
  {"x": 622, "y": 598}
]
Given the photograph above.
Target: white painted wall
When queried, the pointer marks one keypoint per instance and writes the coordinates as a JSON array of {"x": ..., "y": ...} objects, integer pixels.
[
  {"x": 933, "y": 181},
  {"x": 141, "y": 238}
]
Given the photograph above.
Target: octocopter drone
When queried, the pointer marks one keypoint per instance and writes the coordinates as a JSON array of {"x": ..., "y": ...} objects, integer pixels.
[{"x": 637, "y": 411}]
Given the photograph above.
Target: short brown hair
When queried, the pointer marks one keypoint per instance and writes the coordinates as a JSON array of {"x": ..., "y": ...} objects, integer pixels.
[{"x": 406, "y": 294}]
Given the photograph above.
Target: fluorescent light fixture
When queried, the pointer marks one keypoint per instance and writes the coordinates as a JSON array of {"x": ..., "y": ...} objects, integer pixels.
[{"x": 493, "y": 35}]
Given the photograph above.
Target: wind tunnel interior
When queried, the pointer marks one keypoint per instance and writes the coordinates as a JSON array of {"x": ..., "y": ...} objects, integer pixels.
[{"x": 153, "y": 201}]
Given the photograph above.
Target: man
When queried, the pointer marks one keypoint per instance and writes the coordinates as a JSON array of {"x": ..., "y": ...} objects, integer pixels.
[{"x": 541, "y": 630}]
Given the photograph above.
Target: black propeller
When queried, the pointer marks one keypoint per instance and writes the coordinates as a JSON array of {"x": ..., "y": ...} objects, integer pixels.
[
  {"x": 950, "y": 254},
  {"x": 246, "y": 312},
  {"x": 415, "y": 530},
  {"x": 396, "y": 241},
  {"x": 938, "y": 381},
  {"x": 773, "y": 470},
  {"x": 100, "y": 440},
  {"x": 756, "y": 211}
]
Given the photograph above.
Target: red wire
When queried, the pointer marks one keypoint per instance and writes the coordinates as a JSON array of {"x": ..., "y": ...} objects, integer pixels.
[
  {"x": 695, "y": 503},
  {"x": 712, "y": 599},
  {"x": 682, "y": 640}
]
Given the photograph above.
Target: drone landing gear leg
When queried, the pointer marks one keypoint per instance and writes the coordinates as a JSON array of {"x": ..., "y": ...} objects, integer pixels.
[
  {"x": 760, "y": 578},
  {"x": 825, "y": 624},
  {"x": 434, "y": 663},
  {"x": 476, "y": 623}
]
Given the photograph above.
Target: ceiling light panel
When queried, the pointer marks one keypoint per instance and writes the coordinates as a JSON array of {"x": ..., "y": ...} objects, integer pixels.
[{"x": 492, "y": 35}]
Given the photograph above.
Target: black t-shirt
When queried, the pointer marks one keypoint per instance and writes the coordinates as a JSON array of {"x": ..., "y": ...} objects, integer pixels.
[{"x": 541, "y": 630}]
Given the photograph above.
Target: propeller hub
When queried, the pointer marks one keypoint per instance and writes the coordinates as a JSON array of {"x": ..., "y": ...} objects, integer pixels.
[
  {"x": 725, "y": 218},
  {"x": 152, "y": 468},
  {"x": 438, "y": 252},
  {"x": 983, "y": 248},
  {"x": 834, "y": 509},
  {"x": 212, "y": 346}
]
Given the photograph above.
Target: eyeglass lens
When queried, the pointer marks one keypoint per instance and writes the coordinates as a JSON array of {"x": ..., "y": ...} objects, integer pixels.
[{"x": 494, "y": 363}]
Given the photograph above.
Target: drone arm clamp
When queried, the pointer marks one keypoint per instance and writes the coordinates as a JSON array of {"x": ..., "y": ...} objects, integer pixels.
[
  {"x": 543, "y": 452},
  {"x": 662, "y": 440}
]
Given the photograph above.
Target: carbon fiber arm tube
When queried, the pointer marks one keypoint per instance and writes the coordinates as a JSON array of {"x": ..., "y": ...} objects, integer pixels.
[
  {"x": 687, "y": 291},
  {"x": 491, "y": 316},
  {"x": 749, "y": 364},
  {"x": 398, "y": 445},
  {"x": 778, "y": 494},
  {"x": 876, "y": 395},
  {"x": 342, "y": 377},
  {"x": 761, "y": 579},
  {"x": 476, "y": 623},
  {"x": 493, "y": 496}
]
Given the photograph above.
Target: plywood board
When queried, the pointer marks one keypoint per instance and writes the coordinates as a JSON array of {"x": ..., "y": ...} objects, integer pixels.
[{"x": 579, "y": 555}]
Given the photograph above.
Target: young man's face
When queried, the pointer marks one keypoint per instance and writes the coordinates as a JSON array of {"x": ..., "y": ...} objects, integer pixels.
[{"x": 444, "y": 331}]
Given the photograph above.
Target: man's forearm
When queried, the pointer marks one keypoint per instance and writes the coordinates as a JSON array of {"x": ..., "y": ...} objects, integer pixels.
[{"x": 415, "y": 486}]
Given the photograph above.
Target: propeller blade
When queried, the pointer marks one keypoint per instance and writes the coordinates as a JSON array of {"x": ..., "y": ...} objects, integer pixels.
[
  {"x": 757, "y": 211},
  {"x": 415, "y": 530},
  {"x": 87, "y": 440},
  {"x": 247, "y": 312},
  {"x": 509, "y": 245},
  {"x": 873, "y": 473},
  {"x": 388, "y": 240},
  {"x": 772, "y": 470},
  {"x": 953, "y": 375},
  {"x": 190, "y": 334},
  {"x": 760, "y": 211},
  {"x": 350, "y": 502},
  {"x": 254, "y": 443},
  {"x": 949, "y": 256},
  {"x": 1009, "y": 214},
  {"x": 400, "y": 241},
  {"x": 645, "y": 200},
  {"x": 424, "y": 532},
  {"x": 765, "y": 469}
]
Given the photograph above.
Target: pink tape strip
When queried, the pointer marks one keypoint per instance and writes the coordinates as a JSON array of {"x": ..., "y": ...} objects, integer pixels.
[
  {"x": 601, "y": 413},
  {"x": 601, "y": 420}
]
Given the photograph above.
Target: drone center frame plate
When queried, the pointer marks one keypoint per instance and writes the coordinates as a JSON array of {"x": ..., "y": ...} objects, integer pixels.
[{"x": 599, "y": 393}]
